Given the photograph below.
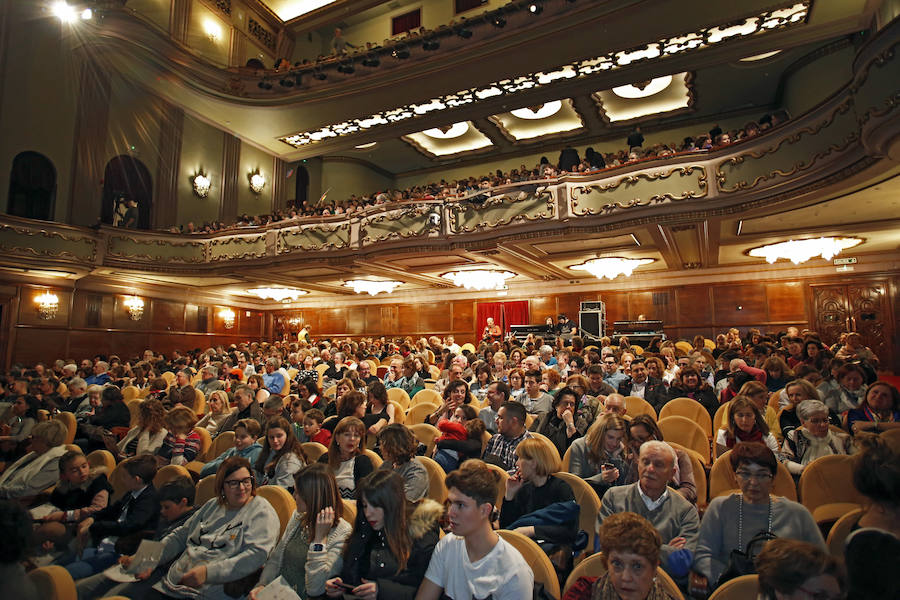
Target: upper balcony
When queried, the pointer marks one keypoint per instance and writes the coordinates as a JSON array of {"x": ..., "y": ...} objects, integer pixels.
[{"x": 830, "y": 171}]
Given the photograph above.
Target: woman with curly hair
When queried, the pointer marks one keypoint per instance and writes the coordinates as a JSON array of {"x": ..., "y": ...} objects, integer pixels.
[{"x": 148, "y": 435}]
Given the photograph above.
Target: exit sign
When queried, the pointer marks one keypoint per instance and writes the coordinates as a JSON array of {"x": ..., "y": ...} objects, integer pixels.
[{"x": 845, "y": 261}]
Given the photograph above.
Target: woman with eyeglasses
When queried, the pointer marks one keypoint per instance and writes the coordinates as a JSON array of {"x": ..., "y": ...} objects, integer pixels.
[
  {"x": 227, "y": 539},
  {"x": 732, "y": 521},
  {"x": 813, "y": 439},
  {"x": 790, "y": 569},
  {"x": 345, "y": 457}
]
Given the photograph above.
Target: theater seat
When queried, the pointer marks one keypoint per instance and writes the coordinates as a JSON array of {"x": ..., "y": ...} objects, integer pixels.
[
  {"x": 536, "y": 558},
  {"x": 589, "y": 502},
  {"x": 426, "y": 433},
  {"x": 437, "y": 491},
  {"x": 313, "y": 450},
  {"x": 686, "y": 432},
  {"x": 723, "y": 481},
  {"x": 170, "y": 473},
  {"x": 419, "y": 412},
  {"x": 826, "y": 489},
  {"x": 399, "y": 396},
  {"x": 102, "y": 458},
  {"x": 690, "y": 408},
  {"x": 53, "y": 583},
  {"x": 840, "y": 530},
  {"x": 281, "y": 500},
  {"x": 205, "y": 490},
  {"x": 593, "y": 566},
  {"x": 740, "y": 588}
]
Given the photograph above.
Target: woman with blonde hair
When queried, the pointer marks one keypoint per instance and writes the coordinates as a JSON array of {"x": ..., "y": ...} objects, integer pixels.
[
  {"x": 182, "y": 443},
  {"x": 345, "y": 457},
  {"x": 796, "y": 392},
  {"x": 533, "y": 488},
  {"x": 217, "y": 410},
  {"x": 601, "y": 457},
  {"x": 39, "y": 468},
  {"x": 148, "y": 435}
]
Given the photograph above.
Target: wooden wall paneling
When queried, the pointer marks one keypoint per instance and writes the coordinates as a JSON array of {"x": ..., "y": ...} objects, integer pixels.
[
  {"x": 356, "y": 320},
  {"x": 118, "y": 316},
  {"x": 739, "y": 305},
  {"x": 693, "y": 306},
  {"x": 616, "y": 307},
  {"x": 688, "y": 333},
  {"x": 463, "y": 312},
  {"x": 407, "y": 318},
  {"x": 373, "y": 319},
  {"x": 166, "y": 315},
  {"x": 332, "y": 321},
  {"x": 567, "y": 304},
  {"x": 651, "y": 305},
  {"x": 43, "y": 345},
  {"x": 252, "y": 326},
  {"x": 787, "y": 302},
  {"x": 434, "y": 317},
  {"x": 390, "y": 323},
  {"x": 86, "y": 343},
  {"x": 542, "y": 307},
  {"x": 310, "y": 317},
  {"x": 127, "y": 344}
]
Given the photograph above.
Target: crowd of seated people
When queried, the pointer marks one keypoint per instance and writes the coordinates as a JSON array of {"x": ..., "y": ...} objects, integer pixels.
[
  {"x": 339, "y": 425},
  {"x": 475, "y": 189}
]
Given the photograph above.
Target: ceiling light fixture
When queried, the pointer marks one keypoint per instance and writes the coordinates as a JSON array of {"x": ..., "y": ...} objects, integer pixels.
[
  {"x": 479, "y": 279},
  {"x": 64, "y": 12},
  {"x": 87, "y": 14},
  {"x": 611, "y": 266},
  {"x": 228, "y": 317},
  {"x": 48, "y": 305},
  {"x": 212, "y": 29},
  {"x": 643, "y": 89},
  {"x": 365, "y": 146},
  {"x": 800, "y": 251},
  {"x": 135, "y": 307},
  {"x": 279, "y": 294},
  {"x": 535, "y": 8},
  {"x": 762, "y": 56},
  {"x": 372, "y": 288},
  {"x": 447, "y": 132},
  {"x": 542, "y": 111}
]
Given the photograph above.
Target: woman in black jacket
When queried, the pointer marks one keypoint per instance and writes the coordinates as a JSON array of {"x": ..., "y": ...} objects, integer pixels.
[
  {"x": 391, "y": 545},
  {"x": 559, "y": 424},
  {"x": 689, "y": 384}
]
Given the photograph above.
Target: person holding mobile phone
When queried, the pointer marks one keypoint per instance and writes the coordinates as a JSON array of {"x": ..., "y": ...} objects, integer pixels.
[
  {"x": 602, "y": 457},
  {"x": 391, "y": 544}
]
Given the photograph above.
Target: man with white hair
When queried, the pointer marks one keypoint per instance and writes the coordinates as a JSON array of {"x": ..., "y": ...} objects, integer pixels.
[
  {"x": 674, "y": 518},
  {"x": 273, "y": 379},
  {"x": 547, "y": 357},
  {"x": 77, "y": 395},
  {"x": 100, "y": 376},
  {"x": 209, "y": 380}
]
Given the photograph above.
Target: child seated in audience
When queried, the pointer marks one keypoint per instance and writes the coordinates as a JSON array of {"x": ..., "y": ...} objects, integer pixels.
[
  {"x": 745, "y": 424},
  {"x": 81, "y": 493},
  {"x": 182, "y": 443},
  {"x": 460, "y": 438},
  {"x": 299, "y": 408},
  {"x": 136, "y": 511},
  {"x": 312, "y": 427},
  {"x": 246, "y": 431},
  {"x": 281, "y": 456},
  {"x": 473, "y": 561},
  {"x": 176, "y": 505}
]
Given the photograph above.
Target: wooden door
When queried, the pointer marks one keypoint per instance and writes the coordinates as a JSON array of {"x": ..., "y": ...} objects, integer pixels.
[
  {"x": 870, "y": 316},
  {"x": 861, "y": 307},
  {"x": 832, "y": 312}
]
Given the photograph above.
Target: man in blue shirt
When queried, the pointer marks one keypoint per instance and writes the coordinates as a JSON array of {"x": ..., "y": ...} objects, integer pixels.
[
  {"x": 100, "y": 376},
  {"x": 273, "y": 379}
]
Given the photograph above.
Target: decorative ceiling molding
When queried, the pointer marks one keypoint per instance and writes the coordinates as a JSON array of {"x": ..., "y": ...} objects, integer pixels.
[{"x": 786, "y": 16}]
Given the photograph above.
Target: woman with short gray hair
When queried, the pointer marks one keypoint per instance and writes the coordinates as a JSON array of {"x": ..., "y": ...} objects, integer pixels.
[{"x": 813, "y": 439}]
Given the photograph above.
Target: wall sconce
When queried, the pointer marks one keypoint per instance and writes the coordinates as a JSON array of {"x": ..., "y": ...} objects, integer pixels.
[
  {"x": 212, "y": 29},
  {"x": 257, "y": 181},
  {"x": 201, "y": 184},
  {"x": 48, "y": 305},
  {"x": 227, "y": 318},
  {"x": 135, "y": 308}
]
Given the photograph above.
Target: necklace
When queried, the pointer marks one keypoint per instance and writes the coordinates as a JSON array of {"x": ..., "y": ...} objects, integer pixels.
[{"x": 741, "y": 521}]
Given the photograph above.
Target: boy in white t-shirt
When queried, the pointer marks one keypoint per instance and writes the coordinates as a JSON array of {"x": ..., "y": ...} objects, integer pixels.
[{"x": 473, "y": 562}]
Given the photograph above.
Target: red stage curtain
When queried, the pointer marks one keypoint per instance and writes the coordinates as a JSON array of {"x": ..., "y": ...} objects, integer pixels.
[
  {"x": 515, "y": 313},
  {"x": 504, "y": 314}
]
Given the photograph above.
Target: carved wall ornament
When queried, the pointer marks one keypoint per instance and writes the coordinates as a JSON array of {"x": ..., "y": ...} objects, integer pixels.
[{"x": 634, "y": 179}]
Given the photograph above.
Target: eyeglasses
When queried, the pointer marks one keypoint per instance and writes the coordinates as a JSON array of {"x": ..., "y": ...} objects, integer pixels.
[
  {"x": 747, "y": 475},
  {"x": 236, "y": 483},
  {"x": 822, "y": 594}
]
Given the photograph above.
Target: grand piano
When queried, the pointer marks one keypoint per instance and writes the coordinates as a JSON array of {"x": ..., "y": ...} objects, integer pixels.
[{"x": 637, "y": 332}]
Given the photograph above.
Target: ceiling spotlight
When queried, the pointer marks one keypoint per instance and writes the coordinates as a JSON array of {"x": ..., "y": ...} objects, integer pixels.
[
  {"x": 498, "y": 20},
  {"x": 371, "y": 60},
  {"x": 87, "y": 14},
  {"x": 431, "y": 44},
  {"x": 64, "y": 12},
  {"x": 463, "y": 32},
  {"x": 535, "y": 8},
  {"x": 400, "y": 52}
]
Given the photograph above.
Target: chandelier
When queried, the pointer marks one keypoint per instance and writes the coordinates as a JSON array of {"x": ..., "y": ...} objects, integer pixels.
[
  {"x": 227, "y": 318},
  {"x": 479, "y": 279},
  {"x": 279, "y": 294},
  {"x": 135, "y": 308},
  {"x": 611, "y": 267},
  {"x": 201, "y": 184},
  {"x": 48, "y": 305},
  {"x": 373, "y": 288},
  {"x": 800, "y": 251}
]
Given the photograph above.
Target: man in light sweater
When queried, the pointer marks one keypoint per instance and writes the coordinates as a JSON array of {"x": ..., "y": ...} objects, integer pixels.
[{"x": 674, "y": 518}]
